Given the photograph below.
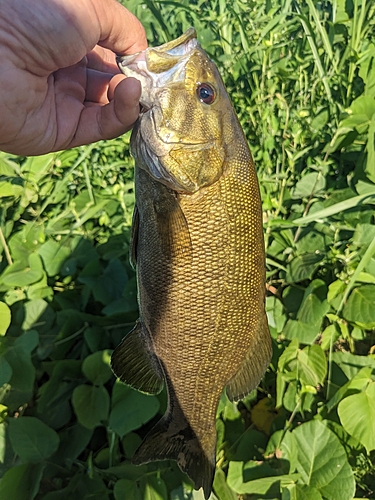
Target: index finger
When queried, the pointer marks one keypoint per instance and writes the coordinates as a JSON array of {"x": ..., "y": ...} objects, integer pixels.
[
  {"x": 121, "y": 31},
  {"x": 102, "y": 59}
]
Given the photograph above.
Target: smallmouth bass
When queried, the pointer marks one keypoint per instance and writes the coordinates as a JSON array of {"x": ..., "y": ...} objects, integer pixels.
[{"x": 197, "y": 245}]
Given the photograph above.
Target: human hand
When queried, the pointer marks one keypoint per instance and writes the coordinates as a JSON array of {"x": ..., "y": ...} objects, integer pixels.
[{"x": 59, "y": 83}]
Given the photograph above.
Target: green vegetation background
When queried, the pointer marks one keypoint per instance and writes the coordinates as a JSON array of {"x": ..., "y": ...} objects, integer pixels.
[{"x": 302, "y": 78}]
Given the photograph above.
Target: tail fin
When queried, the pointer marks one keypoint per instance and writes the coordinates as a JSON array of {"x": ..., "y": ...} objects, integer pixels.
[{"x": 172, "y": 439}]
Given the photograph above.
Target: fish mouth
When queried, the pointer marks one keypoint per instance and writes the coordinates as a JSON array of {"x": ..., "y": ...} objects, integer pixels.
[{"x": 157, "y": 66}]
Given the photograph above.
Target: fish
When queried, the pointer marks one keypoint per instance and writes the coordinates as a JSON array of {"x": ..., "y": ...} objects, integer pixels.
[{"x": 198, "y": 250}]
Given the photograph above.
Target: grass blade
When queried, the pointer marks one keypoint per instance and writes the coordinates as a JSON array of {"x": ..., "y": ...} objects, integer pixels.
[{"x": 336, "y": 208}]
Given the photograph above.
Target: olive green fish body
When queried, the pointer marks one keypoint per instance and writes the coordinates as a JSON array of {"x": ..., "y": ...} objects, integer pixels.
[{"x": 199, "y": 254}]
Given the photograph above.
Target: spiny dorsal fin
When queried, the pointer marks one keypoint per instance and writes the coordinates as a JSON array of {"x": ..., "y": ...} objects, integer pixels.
[
  {"x": 254, "y": 365},
  {"x": 135, "y": 363}
]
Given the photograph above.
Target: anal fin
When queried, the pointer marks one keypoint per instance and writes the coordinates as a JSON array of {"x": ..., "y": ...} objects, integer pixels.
[
  {"x": 135, "y": 363},
  {"x": 253, "y": 366}
]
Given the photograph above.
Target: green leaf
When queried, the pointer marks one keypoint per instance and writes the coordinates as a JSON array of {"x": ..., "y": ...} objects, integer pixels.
[
  {"x": 38, "y": 166},
  {"x": 301, "y": 492},
  {"x": 130, "y": 409},
  {"x": 33, "y": 312},
  {"x": 22, "y": 482},
  {"x": 221, "y": 488},
  {"x": 38, "y": 314},
  {"x": 5, "y": 318},
  {"x": 303, "y": 267},
  {"x": 305, "y": 332},
  {"x": 310, "y": 314},
  {"x": 83, "y": 486},
  {"x": 126, "y": 470},
  {"x": 130, "y": 443},
  {"x": 124, "y": 488},
  {"x": 251, "y": 441},
  {"x": 310, "y": 185},
  {"x": 289, "y": 354},
  {"x": 322, "y": 461},
  {"x": 283, "y": 446},
  {"x": 24, "y": 272},
  {"x": 18, "y": 357},
  {"x": 31, "y": 439},
  {"x": 314, "y": 304},
  {"x": 275, "y": 314},
  {"x": 22, "y": 278},
  {"x": 6, "y": 189},
  {"x": 73, "y": 441},
  {"x": 363, "y": 188},
  {"x": 54, "y": 255},
  {"x": 329, "y": 337},
  {"x": 62, "y": 379},
  {"x": 355, "y": 201},
  {"x": 5, "y": 371},
  {"x": 360, "y": 307},
  {"x": 363, "y": 105},
  {"x": 351, "y": 364},
  {"x": 155, "y": 489},
  {"x": 28, "y": 341},
  {"x": 108, "y": 286},
  {"x": 268, "y": 480},
  {"x": 357, "y": 415},
  {"x": 312, "y": 365},
  {"x": 335, "y": 289},
  {"x": 91, "y": 405},
  {"x": 97, "y": 368}
]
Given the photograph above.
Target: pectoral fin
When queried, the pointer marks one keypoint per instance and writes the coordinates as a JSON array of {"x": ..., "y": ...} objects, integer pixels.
[
  {"x": 135, "y": 363},
  {"x": 253, "y": 366},
  {"x": 172, "y": 227}
]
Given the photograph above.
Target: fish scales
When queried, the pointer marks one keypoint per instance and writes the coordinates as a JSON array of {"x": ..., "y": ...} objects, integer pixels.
[{"x": 199, "y": 253}]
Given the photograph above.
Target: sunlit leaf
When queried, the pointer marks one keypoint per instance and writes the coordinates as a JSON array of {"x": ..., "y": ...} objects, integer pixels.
[
  {"x": 312, "y": 365},
  {"x": 322, "y": 461},
  {"x": 357, "y": 415},
  {"x": 360, "y": 307},
  {"x": 311, "y": 184},
  {"x": 221, "y": 488},
  {"x": 302, "y": 267},
  {"x": 53, "y": 255},
  {"x": 5, "y": 317},
  {"x": 154, "y": 489}
]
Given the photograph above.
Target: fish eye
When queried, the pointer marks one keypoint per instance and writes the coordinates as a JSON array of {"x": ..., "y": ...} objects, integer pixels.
[{"x": 206, "y": 93}]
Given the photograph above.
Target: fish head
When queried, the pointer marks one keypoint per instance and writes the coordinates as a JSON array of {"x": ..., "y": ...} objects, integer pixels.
[{"x": 186, "y": 123}]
